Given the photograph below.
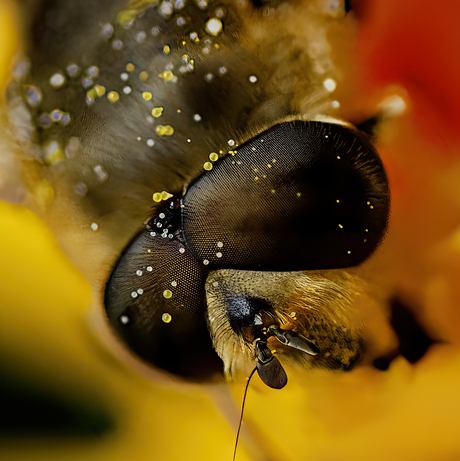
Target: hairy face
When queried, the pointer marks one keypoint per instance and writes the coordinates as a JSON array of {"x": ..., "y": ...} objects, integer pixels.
[{"x": 190, "y": 160}]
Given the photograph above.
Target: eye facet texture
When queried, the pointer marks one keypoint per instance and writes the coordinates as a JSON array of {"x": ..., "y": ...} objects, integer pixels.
[
  {"x": 155, "y": 300},
  {"x": 299, "y": 196}
]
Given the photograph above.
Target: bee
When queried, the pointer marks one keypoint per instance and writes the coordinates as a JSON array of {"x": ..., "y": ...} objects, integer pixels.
[{"x": 189, "y": 157}]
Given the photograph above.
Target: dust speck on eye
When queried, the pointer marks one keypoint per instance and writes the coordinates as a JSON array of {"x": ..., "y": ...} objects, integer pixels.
[
  {"x": 92, "y": 71},
  {"x": 73, "y": 70},
  {"x": 57, "y": 80},
  {"x": 117, "y": 45},
  {"x": 101, "y": 173},
  {"x": 81, "y": 189},
  {"x": 330, "y": 84},
  {"x": 141, "y": 36},
  {"x": 107, "y": 31},
  {"x": 33, "y": 96},
  {"x": 124, "y": 319},
  {"x": 214, "y": 27}
]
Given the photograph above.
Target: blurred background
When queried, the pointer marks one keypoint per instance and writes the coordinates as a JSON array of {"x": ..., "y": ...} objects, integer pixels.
[{"x": 65, "y": 396}]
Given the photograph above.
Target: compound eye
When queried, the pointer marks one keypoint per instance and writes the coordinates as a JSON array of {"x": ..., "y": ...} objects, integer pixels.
[
  {"x": 155, "y": 301},
  {"x": 299, "y": 196}
]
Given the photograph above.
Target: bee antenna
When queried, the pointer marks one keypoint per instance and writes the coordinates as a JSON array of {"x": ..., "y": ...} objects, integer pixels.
[{"x": 242, "y": 410}]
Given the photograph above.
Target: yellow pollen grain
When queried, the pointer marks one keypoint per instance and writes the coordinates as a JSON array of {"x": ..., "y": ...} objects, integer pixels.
[
  {"x": 256, "y": 178},
  {"x": 147, "y": 95},
  {"x": 55, "y": 157},
  {"x": 149, "y": 250},
  {"x": 178, "y": 111},
  {"x": 349, "y": 252},
  {"x": 113, "y": 96},
  {"x": 130, "y": 67},
  {"x": 273, "y": 191},
  {"x": 338, "y": 157},
  {"x": 166, "y": 317},
  {"x": 213, "y": 156},
  {"x": 164, "y": 130},
  {"x": 207, "y": 166},
  {"x": 166, "y": 49},
  {"x": 165, "y": 195},
  {"x": 157, "y": 197},
  {"x": 299, "y": 194},
  {"x": 338, "y": 201},
  {"x": 167, "y": 294},
  {"x": 143, "y": 76},
  {"x": 91, "y": 94},
  {"x": 166, "y": 75},
  {"x": 157, "y": 111},
  {"x": 100, "y": 90},
  {"x": 340, "y": 225}
]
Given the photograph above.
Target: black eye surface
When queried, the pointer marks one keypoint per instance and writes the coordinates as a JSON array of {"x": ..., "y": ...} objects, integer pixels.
[
  {"x": 299, "y": 196},
  {"x": 155, "y": 300}
]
